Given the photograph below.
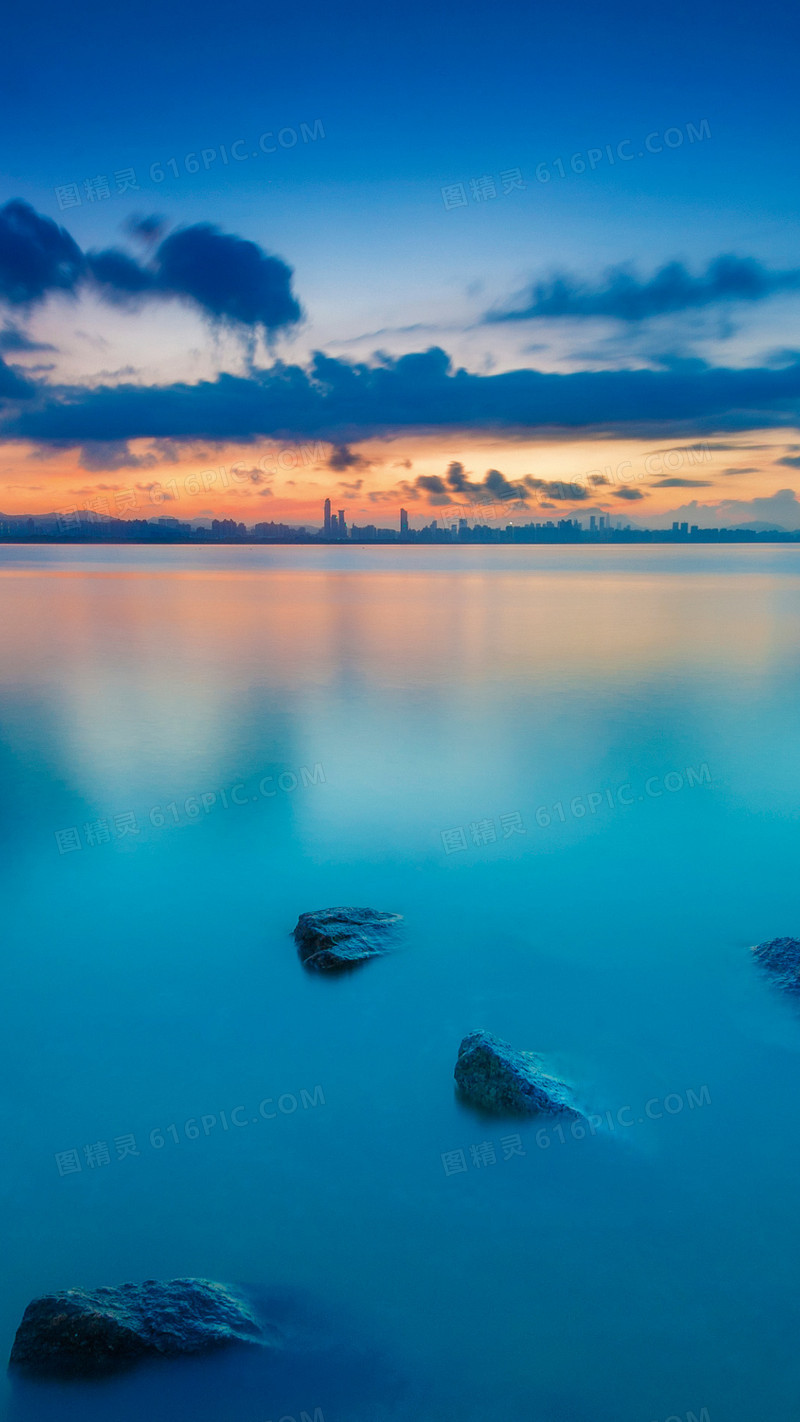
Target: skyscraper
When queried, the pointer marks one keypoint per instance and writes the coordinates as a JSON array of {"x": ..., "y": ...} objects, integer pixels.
[
  {"x": 403, "y": 521},
  {"x": 327, "y": 518},
  {"x": 342, "y": 530}
]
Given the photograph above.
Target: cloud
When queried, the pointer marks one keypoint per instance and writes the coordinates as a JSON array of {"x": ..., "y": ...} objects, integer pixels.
[
  {"x": 342, "y": 457},
  {"x": 457, "y": 487},
  {"x": 113, "y": 454},
  {"x": 682, "y": 484},
  {"x": 227, "y": 277},
  {"x": 145, "y": 229},
  {"x": 119, "y": 277},
  {"x": 630, "y": 494},
  {"x": 36, "y": 256},
  {"x": 255, "y": 475},
  {"x": 346, "y": 402},
  {"x": 623, "y": 296},
  {"x": 162, "y": 495},
  {"x": 778, "y": 510},
  {"x": 12, "y": 385},
  {"x": 793, "y": 461},
  {"x": 559, "y": 491},
  {"x": 434, "y": 486},
  {"x": 13, "y": 339},
  {"x": 749, "y": 469}
]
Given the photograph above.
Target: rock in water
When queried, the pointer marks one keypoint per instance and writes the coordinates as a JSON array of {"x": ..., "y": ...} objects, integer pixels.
[
  {"x": 83, "y": 1334},
  {"x": 335, "y": 938},
  {"x": 495, "y": 1076},
  {"x": 781, "y": 958}
]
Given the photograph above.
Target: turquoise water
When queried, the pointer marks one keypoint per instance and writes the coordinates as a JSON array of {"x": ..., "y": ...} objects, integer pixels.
[{"x": 256, "y": 732}]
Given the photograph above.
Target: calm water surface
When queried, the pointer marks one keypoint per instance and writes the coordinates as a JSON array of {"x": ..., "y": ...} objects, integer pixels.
[{"x": 577, "y": 774}]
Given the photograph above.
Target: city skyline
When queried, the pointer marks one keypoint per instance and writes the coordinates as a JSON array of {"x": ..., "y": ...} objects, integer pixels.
[{"x": 483, "y": 524}]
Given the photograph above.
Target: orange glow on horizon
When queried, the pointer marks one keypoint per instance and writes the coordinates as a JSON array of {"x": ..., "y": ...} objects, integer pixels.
[{"x": 288, "y": 483}]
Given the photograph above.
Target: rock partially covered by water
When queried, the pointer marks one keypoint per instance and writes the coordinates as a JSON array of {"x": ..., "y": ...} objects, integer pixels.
[
  {"x": 781, "y": 958},
  {"x": 497, "y": 1077},
  {"x": 83, "y": 1334},
  {"x": 335, "y": 938}
]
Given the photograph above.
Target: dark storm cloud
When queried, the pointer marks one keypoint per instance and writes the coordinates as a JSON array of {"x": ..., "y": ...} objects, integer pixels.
[
  {"x": 226, "y": 277},
  {"x": 345, "y": 402},
  {"x": 625, "y": 297}
]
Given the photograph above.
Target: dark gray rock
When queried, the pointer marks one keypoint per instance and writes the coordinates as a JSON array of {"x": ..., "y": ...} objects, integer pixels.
[
  {"x": 491, "y": 1074},
  {"x": 84, "y": 1334},
  {"x": 335, "y": 938},
  {"x": 781, "y": 958}
]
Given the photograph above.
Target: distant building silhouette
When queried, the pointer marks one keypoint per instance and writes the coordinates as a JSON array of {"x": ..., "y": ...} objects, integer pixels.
[
  {"x": 342, "y": 526},
  {"x": 327, "y": 518},
  {"x": 403, "y": 521}
]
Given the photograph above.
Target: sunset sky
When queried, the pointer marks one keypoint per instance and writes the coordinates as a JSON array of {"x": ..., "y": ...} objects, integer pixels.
[{"x": 461, "y": 259}]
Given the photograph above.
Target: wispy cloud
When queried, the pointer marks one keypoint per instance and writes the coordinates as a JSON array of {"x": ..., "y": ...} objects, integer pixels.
[{"x": 624, "y": 296}]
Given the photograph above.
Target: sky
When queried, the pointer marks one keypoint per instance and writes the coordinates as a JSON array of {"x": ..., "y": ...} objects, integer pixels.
[{"x": 531, "y": 262}]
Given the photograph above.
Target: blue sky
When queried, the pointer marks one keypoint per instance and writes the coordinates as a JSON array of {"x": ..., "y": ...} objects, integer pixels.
[{"x": 373, "y": 114}]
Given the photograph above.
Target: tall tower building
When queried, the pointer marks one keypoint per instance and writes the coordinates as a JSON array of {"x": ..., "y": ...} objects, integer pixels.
[
  {"x": 342, "y": 526},
  {"x": 403, "y": 521},
  {"x": 327, "y": 518}
]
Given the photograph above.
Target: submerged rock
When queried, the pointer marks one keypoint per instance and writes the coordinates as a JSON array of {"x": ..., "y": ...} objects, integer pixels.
[
  {"x": 781, "y": 958},
  {"x": 84, "y": 1334},
  {"x": 497, "y": 1077},
  {"x": 335, "y": 938}
]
